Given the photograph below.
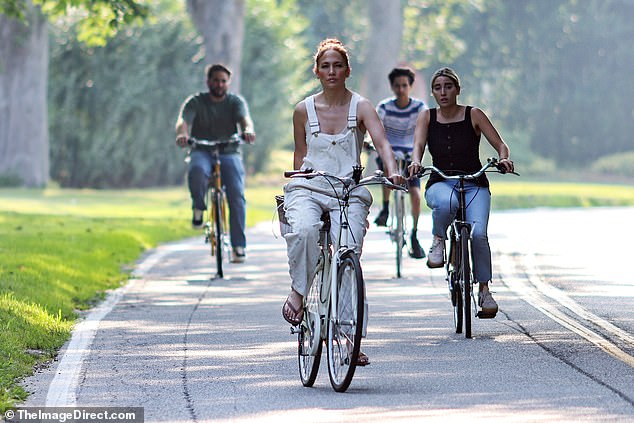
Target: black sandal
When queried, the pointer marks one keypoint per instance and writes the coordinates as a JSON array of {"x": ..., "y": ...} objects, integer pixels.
[
  {"x": 362, "y": 359},
  {"x": 286, "y": 317}
]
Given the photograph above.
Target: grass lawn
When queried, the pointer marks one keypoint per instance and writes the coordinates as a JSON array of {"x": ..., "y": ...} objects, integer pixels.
[{"x": 60, "y": 250}]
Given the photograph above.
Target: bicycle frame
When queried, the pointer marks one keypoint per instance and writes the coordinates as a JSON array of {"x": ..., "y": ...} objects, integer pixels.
[
  {"x": 332, "y": 253},
  {"x": 459, "y": 227},
  {"x": 217, "y": 211},
  {"x": 398, "y": 226},
  {"x": 459, "y": 262},
  {"x": 217, "y": 223}
]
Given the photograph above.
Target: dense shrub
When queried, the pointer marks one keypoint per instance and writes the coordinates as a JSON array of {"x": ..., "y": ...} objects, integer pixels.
[{"x": 621, "y": 164}]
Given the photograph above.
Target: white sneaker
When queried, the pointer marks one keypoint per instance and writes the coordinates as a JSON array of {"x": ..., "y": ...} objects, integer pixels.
[
  {"x": 436, "y": 256},
  {"x": 238, "y": 255}
]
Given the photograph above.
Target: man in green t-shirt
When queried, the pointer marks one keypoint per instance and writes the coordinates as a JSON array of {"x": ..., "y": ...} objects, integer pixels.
[{"x": 216, "y": 115}]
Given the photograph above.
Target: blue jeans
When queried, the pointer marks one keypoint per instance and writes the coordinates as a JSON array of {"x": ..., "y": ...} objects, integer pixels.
[
  {"x": 442, "y": 199},
  {"x": 232, "y": 174}
]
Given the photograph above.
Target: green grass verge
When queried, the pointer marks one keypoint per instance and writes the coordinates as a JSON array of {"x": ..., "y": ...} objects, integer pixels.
[
  {"x": 518, "y": 194},
  {"x": 60, "y": 250}
]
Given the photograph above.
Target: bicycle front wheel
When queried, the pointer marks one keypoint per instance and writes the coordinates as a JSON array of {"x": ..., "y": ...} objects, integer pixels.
[
  {"x": 218, "y": 220},
  {"x": 399, "y": 208},
  {"x": 465, "y": 280},
  {"x": 309, "y": 337},
  {"x": 452, "y": 266},
  {"x": 345, "y": 322}
]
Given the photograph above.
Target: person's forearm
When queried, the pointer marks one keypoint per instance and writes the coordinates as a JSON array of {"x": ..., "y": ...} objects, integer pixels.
[
  {"x": 246, "y": 125},
  {"x": 182, "y": 129},
  {"x": 504, "y": 152},
  {"x": 387, "y": 157}
]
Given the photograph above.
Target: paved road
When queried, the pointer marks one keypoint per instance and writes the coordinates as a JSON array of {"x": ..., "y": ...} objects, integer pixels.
[{"x": 191, "y": 349}]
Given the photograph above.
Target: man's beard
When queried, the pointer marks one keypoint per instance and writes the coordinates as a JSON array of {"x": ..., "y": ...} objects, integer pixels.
[{"x": 218, "y": 92}]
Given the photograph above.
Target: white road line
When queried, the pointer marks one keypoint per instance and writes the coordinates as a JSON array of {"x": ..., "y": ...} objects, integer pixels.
[
  {"x": 62, "y": 392},
  {"x": 534, "y": 296},
  {"x": 63, "y": 387}
]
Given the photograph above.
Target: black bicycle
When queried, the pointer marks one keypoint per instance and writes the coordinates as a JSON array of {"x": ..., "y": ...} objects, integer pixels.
[
  {"x": 216, "y": 227},
  {"x": 459, "y": 262}
]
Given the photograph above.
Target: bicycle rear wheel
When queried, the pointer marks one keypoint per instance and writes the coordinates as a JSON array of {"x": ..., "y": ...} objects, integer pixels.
[
  {"x": 345, "y": 331},
  {"x": 309, "y": 337},
  {"x": 399, "y": 239},
  {"x": 465, "y": 280}
]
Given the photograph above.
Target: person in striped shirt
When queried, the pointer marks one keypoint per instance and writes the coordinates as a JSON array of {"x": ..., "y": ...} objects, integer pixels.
[{"x": 399, "y": 114}]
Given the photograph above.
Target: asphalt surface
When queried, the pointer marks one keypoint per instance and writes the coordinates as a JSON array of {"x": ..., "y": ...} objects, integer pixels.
[{"x": 189, "y": 348}]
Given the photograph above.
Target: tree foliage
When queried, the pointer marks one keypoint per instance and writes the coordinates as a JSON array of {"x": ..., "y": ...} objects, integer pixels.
[
  {"x": 113, "y": 108},
  {"x": 98, "y": 19},
  {"x": 541, "y": 69},
  {"x": 272, "y": 74}
]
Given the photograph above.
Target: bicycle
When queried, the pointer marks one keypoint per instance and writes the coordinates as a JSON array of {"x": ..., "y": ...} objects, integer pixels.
[
  {"x": 458, "y": 264},
  {"x": 334, "y": 306},
  {"x": 216, "y": 226},
  {"x": 397, "y": 228}
]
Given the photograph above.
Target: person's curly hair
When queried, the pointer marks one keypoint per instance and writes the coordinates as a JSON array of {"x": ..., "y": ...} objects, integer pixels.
[{"x": 396, "y": 72}]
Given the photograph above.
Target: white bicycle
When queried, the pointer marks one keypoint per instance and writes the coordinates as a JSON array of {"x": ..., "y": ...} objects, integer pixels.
[{"x": 334, "y": 305}]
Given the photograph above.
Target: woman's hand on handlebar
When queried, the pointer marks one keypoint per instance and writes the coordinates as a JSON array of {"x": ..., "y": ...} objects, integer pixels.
[
  {"x": 397, "y": 179},
  {"x": 414, "y": 168},
  {"x": 506, "y": 165}
]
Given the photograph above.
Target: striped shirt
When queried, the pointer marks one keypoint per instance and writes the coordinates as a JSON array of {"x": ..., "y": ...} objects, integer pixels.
[{"x": 400, "y": 123}]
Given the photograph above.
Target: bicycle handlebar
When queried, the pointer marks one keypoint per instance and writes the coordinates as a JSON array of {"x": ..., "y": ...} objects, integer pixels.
[
  {"x": 195, "y": 142},
  {"x": 491, "y": 162},
  {"x": 376, "y": 179}
]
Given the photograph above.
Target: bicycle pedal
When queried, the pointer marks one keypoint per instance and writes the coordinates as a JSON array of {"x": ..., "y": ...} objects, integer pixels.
[
  {"x": 483, "y": 315},
  {"x": 296, "y": 330}
]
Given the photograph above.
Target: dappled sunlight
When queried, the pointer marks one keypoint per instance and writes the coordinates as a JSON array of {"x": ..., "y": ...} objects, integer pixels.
[
  {"x": 485, "y": 411},
  {"x": 221, "y": 347},
  {"x": 263, "y": 351}
]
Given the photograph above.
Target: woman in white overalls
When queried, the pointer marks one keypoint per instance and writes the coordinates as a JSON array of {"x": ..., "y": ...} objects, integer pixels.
[{"x": 328, "y": 128}]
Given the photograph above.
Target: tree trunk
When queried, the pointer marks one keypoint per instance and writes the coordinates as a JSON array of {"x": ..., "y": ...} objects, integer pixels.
[
  {"x": 24, "y": 145},
  {"x": 383, "y": 47},
  {"x": 221, "y": 23}
]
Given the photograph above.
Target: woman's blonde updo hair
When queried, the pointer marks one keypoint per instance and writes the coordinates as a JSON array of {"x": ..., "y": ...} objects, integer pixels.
[
  {"x": 331, "y": 44},
  {"x": 449, "y": 73}
]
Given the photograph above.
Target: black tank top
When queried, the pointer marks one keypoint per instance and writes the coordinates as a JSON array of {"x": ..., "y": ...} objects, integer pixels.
[{"x": 454, "y": 148}]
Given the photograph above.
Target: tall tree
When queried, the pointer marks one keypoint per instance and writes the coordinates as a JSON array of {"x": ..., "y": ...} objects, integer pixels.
[
  {"x": 24, "y": 142},
  {"x": 384, "y": 41},
  {"x": 221, "y": 23},
  {"x": 23, "y": 112}
]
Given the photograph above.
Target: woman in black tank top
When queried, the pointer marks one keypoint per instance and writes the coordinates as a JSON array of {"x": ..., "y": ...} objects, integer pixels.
[{"x": 452, "y": 134}]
